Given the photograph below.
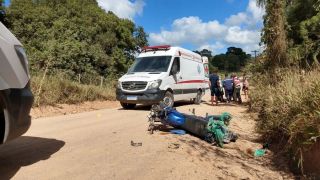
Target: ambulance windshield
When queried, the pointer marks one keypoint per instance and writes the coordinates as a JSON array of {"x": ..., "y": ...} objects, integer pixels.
[{"x": 151, "y": 64}]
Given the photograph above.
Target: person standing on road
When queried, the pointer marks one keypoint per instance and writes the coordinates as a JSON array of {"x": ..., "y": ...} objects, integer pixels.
[
  {"x": 220, "y": 89},
  {"x": 228, "y": 87},
  {"x": 233, "y": 75},
  {"x": 245, "y": 87},
  {"x": 213, "y": 80},
  {"x": 237, "y": 89}
]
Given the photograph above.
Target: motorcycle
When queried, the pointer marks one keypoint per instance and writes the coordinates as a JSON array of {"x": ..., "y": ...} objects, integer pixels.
[{"x": 212, "y": 128}]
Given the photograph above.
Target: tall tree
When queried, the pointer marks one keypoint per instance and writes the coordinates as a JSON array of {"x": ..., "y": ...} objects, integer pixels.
[
  {"x": 274, "y": 33},
  {"x": 232, "y": 60},
  {"x": 141, "y": 37},
  {"x": 303, "y": 32},
  {"x": 2, "y": 12},
  {"x": 74, "y": 36}
]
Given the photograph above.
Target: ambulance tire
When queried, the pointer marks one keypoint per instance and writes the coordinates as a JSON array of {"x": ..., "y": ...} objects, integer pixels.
[
  {"x": 197, "y": 99},
  {"x": 128, "y": 106},
  {"x": 168, "y": 99}
]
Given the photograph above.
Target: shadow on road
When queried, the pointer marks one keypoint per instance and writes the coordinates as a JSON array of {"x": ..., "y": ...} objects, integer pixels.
[{"x": 25, "y": 151}]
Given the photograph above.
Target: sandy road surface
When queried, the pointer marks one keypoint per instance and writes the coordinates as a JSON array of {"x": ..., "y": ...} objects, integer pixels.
[{"x": 96, "y": 145}]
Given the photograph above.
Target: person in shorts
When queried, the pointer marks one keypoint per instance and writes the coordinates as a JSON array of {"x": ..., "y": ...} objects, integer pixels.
[
  {"x": 245, "y": 87},
  {"x": 213, "y": 80},
  {"x": 237, "y": 89}
]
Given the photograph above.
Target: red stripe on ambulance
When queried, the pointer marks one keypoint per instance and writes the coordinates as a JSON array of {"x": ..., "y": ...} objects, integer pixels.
[{"x": 192, "y": 81}]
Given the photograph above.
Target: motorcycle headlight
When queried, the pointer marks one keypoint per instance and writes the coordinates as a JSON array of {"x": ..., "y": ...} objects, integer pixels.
[
  {"x": 154, "y": 84},
  {"x": 23, "y": 58}
]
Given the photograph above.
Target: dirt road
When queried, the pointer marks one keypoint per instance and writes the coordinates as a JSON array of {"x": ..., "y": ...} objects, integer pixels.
[{"x": 96, "y": 145}]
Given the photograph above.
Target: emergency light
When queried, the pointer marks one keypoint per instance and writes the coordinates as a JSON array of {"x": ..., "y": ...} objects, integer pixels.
[{"x": 155, "y": 48}]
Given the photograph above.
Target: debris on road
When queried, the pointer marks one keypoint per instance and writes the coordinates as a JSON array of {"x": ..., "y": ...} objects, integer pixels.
[
  {"x": 174, "y": 146},
  {"x": 136, "y": 144},
  {"x": 262, "y": 151},
  {"x": 259, "y": 152},
  {"x": 178, "y": 131}
]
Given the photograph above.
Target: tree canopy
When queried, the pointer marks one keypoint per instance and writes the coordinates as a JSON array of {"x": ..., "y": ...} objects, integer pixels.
[
  {"x": 303, "y": 18},
  {"x": 204, "y": 52},
  {"x": 233, "y": 60},
  {"x": 291, "y": 32},
  {"x": 74, "y": 36},
  {"x": 2, "y": 12}
]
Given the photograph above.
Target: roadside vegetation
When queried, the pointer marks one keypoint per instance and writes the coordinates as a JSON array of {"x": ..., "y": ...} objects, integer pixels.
[
  {"x": 72, "y": 39},
  {"x": 58, "y": 89},
  {"x": 286, "y": 82},
  {"x": 232, "y": 61},
  {"x": 76, "y": 51}
]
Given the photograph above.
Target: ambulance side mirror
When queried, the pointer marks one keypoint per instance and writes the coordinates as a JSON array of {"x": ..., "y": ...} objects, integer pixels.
[
  {"x": 175, "y": 66},
  {"x": 173, "y": 71}
]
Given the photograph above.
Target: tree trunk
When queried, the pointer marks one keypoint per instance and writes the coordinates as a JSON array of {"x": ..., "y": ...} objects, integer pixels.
[{"x": 274, "y": 34}]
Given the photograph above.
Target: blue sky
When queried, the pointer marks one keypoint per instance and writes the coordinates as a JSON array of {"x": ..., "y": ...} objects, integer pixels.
[
  {"x": 159, "y": 14},
  {"x": 210, "y": 24},
  {"x": 6, "y": 2}
]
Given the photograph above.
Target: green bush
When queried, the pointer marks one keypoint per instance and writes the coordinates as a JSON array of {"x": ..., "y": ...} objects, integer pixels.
[
  {"x": 289, "y": 110},
  {"x": 58, "y": 89},
  {"x": 74, "y": 36}
]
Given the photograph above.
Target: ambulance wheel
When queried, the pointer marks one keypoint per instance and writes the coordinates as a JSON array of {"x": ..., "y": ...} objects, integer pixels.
[
  {"x": 197, "y": 100},
  {"x": 168, "y": 99},
  {"x": 127, "y": 105}
]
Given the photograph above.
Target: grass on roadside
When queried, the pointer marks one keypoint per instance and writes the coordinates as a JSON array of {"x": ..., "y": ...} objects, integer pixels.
[
  {"x": 289, "y": 111},
  {"x": 58, "y": 90}
]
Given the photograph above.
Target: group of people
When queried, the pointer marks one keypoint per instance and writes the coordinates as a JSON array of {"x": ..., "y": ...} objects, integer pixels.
[{"x": 230, "y": 87}]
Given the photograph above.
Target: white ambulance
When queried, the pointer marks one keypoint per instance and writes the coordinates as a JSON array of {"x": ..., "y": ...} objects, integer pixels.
[{"x": 164, "y": 73}]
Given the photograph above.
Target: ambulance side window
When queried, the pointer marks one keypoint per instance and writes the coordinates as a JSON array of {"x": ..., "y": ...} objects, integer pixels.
[{"x": 175, "y": 66}]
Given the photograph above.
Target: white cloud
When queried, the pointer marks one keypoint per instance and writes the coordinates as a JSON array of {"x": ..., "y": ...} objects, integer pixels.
[
  {"x": 238, "y": 19},
  {"x": 123, "y": 8},
  {"x": 236, "y": 35},
  {"x": 251, "y": 47},
  {"x": 185, "y": 28},
  {"x": 240, "y": 30},
  {"x": 212, "y": 47},
  {"x": 256, "y": 11},
  {"x": 250, "y": 18}
]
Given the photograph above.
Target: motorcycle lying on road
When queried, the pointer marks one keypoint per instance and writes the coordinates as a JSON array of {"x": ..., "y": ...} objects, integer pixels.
[{"x": 212, "y": 128}]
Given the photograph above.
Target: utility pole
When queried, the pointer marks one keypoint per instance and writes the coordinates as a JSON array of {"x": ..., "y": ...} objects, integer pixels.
[{"x": 255, "y": 54}]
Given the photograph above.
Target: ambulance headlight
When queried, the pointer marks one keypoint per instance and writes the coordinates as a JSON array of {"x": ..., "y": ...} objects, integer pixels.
[
  {"x": 119, "y": 85},
  {"x": 154, "y": 84}
]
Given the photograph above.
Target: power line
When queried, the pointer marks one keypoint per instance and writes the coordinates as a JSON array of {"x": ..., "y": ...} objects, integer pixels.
[{"x": 255, "y": 54}]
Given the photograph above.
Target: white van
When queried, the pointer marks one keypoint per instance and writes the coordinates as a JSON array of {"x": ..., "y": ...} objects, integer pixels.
[
  {"x": 15, "y": 95},
  {"x": 163, "y": 73}
]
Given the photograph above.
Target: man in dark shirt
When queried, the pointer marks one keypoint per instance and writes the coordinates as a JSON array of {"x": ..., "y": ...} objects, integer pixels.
[
  {"x": 228, "y": 88},
  {"x": 213, "y": 79}
]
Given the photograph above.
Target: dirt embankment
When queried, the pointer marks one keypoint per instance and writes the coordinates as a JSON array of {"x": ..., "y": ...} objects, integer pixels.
[{"x": 64, "y": 109}]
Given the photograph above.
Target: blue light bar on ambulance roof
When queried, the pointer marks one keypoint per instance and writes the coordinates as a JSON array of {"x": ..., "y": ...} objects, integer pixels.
[{"x": 156, "y": 48}]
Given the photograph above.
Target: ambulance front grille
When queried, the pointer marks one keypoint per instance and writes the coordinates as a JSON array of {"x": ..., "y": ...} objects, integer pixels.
[{"x": 134, "y": 85}]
